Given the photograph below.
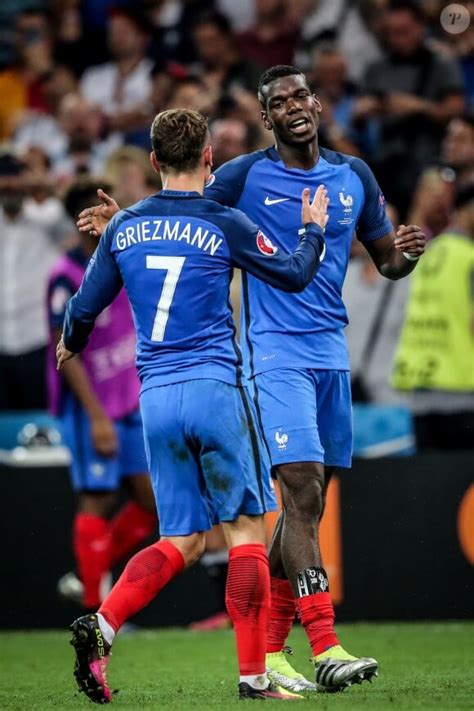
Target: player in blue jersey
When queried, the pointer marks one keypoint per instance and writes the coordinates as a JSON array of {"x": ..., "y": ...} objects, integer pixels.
[
  {"x": 296, "y": 354},
  {"x": 174, "y": 253}
]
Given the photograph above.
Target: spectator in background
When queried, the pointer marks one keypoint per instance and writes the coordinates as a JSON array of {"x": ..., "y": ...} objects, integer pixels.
[
  {"x": 230, "y": 138},
  {"x": 241, "y": 14},
  {"x": 460, "y": 47},
  {"x": 273, "y": 37},
  {"x": 44, "y": 205},
  {"x": 22, "y": 84},
  {"x": 432, "y": 203},
  {"x": 129, "y": 171},
  {"x": 40, "y": 129},
  {"x": 218, "y": 59},
  {"x": 190, "y": 92},
  {"x": 172, "y": 22},
  {"x": 122, "y": 87},
  {"x": 84, "y": 147},
  {"x": 241, "y": 105},
  {"x": 329, "y": 78},
  {"x": 435, "y": 356},
  {"x": 79, "y": 42},
  {"x": 375, "y": 309},
  {"x": 414, "y": 92},
  {"x": 355, "y": 28},
  {"x": 457, "y": 149},
  {"x": 28, "y": 248}
]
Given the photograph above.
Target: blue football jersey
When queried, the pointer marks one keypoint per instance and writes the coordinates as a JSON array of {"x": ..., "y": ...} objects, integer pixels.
[
  {"x": 304, "y": 330},
  {"x": 174, "y": 253}
]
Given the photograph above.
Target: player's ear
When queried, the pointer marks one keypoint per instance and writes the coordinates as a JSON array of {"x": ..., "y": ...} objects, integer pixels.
[
  {"x": 319, "y": 107},
  {"x": 207, "y": 155},
  {"x": 266, "y": 120},
  {"x": 154, "y": 162}
]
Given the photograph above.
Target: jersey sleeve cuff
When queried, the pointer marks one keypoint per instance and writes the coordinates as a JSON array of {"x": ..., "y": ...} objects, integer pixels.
[
  {"x": 76, "y": 334},
  {"x": 376, "y": 233},
  {"x": 313, "y": 228},
  {"x": 315, "y": 233}
]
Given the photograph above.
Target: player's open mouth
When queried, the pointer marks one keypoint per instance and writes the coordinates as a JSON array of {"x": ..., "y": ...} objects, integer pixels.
[{"x": 298, "y": 125}]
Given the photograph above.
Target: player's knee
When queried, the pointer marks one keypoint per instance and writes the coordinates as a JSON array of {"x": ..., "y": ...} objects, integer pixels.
[
  {"x": 97, "y": 503},
  {"x": 305, "y": 501},
  {"x": 191, "y": 547},
  {"x": 309, "y": 502}
]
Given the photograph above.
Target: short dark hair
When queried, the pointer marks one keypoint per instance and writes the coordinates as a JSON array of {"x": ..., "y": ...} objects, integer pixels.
[
  {"x": 276, "y": 72},
  {"x": 134, "y": 15},
  {"x": 216, "y": 18},
  {"x": 10, "y": 164},
  {"x": 81, "y": 194},
  {"x": 178, "y": 137},
  {"x": 414, "y": 8},
  {"x": 464, "y": 195}
]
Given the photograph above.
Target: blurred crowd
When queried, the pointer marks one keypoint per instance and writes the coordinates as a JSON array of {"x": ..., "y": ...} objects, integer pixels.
[{"x": 81, "y": 80}]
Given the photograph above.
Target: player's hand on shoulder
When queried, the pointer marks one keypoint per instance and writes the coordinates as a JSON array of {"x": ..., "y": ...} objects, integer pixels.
[
  {"x": 411, "y": 240},
  {"x": 317, "y": 210},
  {"x": 62, "y": 354},
  {"x": 95, "y": 219},
  {"x": 104, "y": 435}
]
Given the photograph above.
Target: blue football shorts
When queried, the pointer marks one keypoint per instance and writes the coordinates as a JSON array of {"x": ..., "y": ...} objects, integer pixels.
[
  {"x": 89, "y": 470},
  {"x": 206, "y": 457},
  {"x": 306, "y": 415}
]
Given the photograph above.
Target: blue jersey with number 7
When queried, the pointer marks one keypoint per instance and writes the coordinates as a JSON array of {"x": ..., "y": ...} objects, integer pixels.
[{"x": 174, "y": 253}]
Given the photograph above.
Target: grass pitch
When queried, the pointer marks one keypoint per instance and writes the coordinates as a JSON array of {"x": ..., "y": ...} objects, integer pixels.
[{"x": 422, "y": 666}]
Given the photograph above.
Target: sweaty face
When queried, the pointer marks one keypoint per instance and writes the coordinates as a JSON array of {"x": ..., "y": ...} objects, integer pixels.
[{"x": 292, "y": 111}]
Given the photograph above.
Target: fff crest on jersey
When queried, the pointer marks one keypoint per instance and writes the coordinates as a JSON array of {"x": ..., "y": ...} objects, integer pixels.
[
  {"x": 265, "y": 246},
  {"x": 347, "y": 202}
]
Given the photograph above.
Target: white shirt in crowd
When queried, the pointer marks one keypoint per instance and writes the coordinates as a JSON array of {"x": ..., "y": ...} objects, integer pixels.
[
  {"x": 103, "y": 86},
  {"x": 43, "y": 131},
  {"x": 29, "y": 246}
]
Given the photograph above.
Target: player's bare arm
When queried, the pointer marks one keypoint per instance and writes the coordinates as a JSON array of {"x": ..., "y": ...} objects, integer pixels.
[
  {"x": 396, "y": 254},
  {"x": 104, "y": 435},
  {"x": 95, "y": 219},
  {"x": 62, "y": 354}
]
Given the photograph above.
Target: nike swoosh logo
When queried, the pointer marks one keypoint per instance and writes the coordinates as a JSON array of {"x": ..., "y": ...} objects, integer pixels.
[{"x": 269, "y": 201}]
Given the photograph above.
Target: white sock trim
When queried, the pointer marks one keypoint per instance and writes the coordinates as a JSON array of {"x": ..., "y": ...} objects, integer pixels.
[
  {"x": 106, "y": 629},
  {"x": 261, "y": 681}
]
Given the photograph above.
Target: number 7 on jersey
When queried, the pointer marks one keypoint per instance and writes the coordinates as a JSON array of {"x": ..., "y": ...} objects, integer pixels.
[{"x": 172, "y": 266}]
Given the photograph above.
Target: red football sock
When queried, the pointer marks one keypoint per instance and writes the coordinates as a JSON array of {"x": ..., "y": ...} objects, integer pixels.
[
  {"x": 282, "y": 614},
  {"x": 317, "y": 616},
  {"x": 131, "y": 525},
  {"x": 142, "y": 579},
  {"x": 248, "y": 604},
  {"x": 91, "y": 542}
]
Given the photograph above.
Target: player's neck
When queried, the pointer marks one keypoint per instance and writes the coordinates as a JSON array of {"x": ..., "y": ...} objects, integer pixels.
[
  {"x": 185, "y": 182},
  {"x": 303, "y": 157}
]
